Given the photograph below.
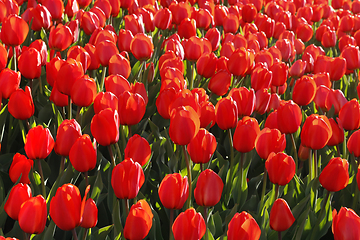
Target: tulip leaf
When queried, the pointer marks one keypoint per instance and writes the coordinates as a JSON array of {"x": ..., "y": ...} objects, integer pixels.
[
  {"x": 218, "y": 224},
  {"x": 155, "y": 231},
  {"x": 101, "y": 233},
  {"x": 301, "y": 223},
  {"x": 97, "y": 187}
]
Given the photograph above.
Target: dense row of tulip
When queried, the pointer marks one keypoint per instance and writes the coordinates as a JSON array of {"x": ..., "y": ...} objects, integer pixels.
[{"x": 134, "y": 119}]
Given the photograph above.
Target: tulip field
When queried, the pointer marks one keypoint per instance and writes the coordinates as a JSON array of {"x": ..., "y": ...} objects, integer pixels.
[{"x": 179, "y": 119}]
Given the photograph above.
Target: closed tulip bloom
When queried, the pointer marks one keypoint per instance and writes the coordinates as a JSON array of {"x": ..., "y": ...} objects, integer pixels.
[
  {"x": 20, "y": 165},
  {"x": 142, "y": 47},
  {"x": 30, "y": 63},
  {"x": 82, "y": 154},
  {"x": 189, "y": 225},
  {"x": 33, "y": 215},
  {"x": 243, "y": 227},
  {"x": 335, "y": 176},
  {"x": 289, "y": 117},
  {"x": 60, "y": 37},
  {"x": 206, "y": 65},
  {"x": 352, "y": 56},
  {"x": 220, "y": 82},
  {"x": 262, "y": 97},
  {"x": 337, "y": 136},
  {"x": 202, "y": 146},
  {"x": 9, "y": 82},
  {"x": 336, "y": 99},
  {"x": 207, "y": 116},
  {"x": 163, "y": 18},
  {"x": 187, "y": 28},
  {"x": 226, "y": 113},
  {"x": 239, "y": 62},
  {"x": 119, "y": 65},
  {"x": 280, "y": 70},
  {"x": 68, "y": 132},
  {"x": 133, "y": 145},
  {"x": 69, "y": 72},
  {"x": 59, "y": 99},
  {"x": 132, "y": 108},
  {"x": 90, "y": 214},
  {"x": 65, "y": 207},
  {"x": 127, "y": 178},
  {"x": 124, "y": 40},
  {"x": 338, "y": 68},
  {"x": 104, "y": 50},
  {"x": 353, "y": 143},
  {"x": 105, "y": 100},
  {"x": 261, "y": 77},
  {"x": 83, "y": 91},
  {"x": 244, "y": 99},
  {"x": 19, "y": 194},
  {"x": 193, "y": 48},
  {"x": 304, "y": 91},
  {"x": 269, "y": 140},
  {"x": 280, "y": 167},
  {"x": 21, "y": 105},
  {"x": 139, "y": 221},
  {"x": 342, "y": 220},
  {"x": 39, "y": 143},
  {"x": 181, "y": 118},
  {"x": 281, "y": 217},
  {"x": 248, "y": 127},
  {"x": 208, "y": 189},
  {"x": 14, "y": 30},
  {"x": 105, "y": 127},
  {"x": 174, "y": 191},
  {"x": 213, "y": 35},
  {"x": 316, "y": 132},
  {"x": 349, "y": 115},
  {"x": 117, "y": 84}
]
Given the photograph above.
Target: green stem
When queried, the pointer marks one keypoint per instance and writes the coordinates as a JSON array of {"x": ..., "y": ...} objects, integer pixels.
[
  {"x": 40, "y": 86},
  {"x": 263, "y": 190},
  {"x": 315, "y": 163},
  {"x": 295, "y": 152},
  {"x": 240, "y": 172},
  {"x": 70, "y": 109},
  {"x": 189, "y": 175},
  {"x": 74, "y": 234},
  {"x": 86, "y": 232},
  {"x": 171, "y": 220},
  {"x": 356, "y": 199},
  {"x": 191, "y": 80},
  {"x": 86, "y": 178},
  {"x": 103, "y": 79},
  {"x": 14, "y": 59},
  {"x": 118, "y": 151},
  {"x": 310, "y": 166},
  {"x": 206, "y": 223},
  {"x": 279, "y": 235},
  {"x": 62, "y": 165},
  {"x": 126, "y": 207},
  {"x": 276, "y": 191},
  {"x": 42, "y": 179},
  {"x": 113, "y": 164}
]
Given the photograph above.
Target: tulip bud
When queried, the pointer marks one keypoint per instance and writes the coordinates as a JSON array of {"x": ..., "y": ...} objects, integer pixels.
[
  {"x": 139, "y": 221},
  {"x": 208, "y": 189},
  {"x": 20, "y": 165},
  {"x": 38, "y": 143},
  {"x": 132, "y": 149},
  {"x": 280, "y": 167},
  {"x": 189, "y": 225},
  {"x": 345, "y": 217},
  {"x": 105, "y": 127},
  {"x": 243, "y": 226},
  {"x": 21, "y": 105},
  {"x": 335, "y": 176},
  {"x": 19, "y": 194},
  {"x": 33, "y": 215},
  {"x": 174, "y": 191},
  {"x": 281, "y": 217}
]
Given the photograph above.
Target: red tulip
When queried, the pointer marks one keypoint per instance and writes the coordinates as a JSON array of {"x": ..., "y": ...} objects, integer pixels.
[
  {"x": 269, "y": 140},
  {"x": 281, "y": 217},
  {"x": 202, "y": 146},
  {"x": 206, "y": 65},
  {"x": 30, "y": 63},
  {"x": 189, "y": 225},
  {"x": 261, "y": 77},
  {"x": 20, "y": 165},
  {"x": 244, "y": 99},
  {"x": 60, "y": 37},
  {"x": 280, "y": 70},
  {"x": 336, "y": 99},
  {"x": 69, "y": 72},
  {"x": 280, "y": 167},
  {"x": 304, "y": 91},
  {"x": 337, "y": 136},
  {"x": 89, "y": 22},
  {"x": 59, "y": 99},
  {"x": 342, "y": 220},
  {"x": 139, "y": 221},
  {"x": 262, "y": 97},
  {"x": 9, "y": 82},
  {"x": 21, "y": 105},
  {"x": 249, "y": 127},
  {"x": 40, "y": 17},
  {"x": 68, "y": 132},
  {"x": 163, "y": 18},
  {"x": 14, "y": 30},
  {"x": 105, "y": 127},
  {"x": 289, "y": 117},
  {"x": 335, "y": 176},
  {"x": 142, "y": 47},
  {"x": 243, "y": 227},
  {"x": 127, "y": 178},
  {"x": 207, "y": 116},
  {"x": 90, "y": 214},
  {"x": 66, "y": 207},
  {"x": 132, "y": 149},
  {"x": 33, "y": 215},
  {"x": 183, "y": 117},
  {"x": 220, "y": 82},
  {"x": 213, "y": 35},
  {"x": 19, "y": 194},
  {"x": 174, "y": 191},
  {"x": 353, "y": 143},
  {"x": 319, "y": 126},
  {"x": 193, "y": 48},
  {"x": 352, "y": 56},
  {"x": 242, "y": 56},
  {"x": 124, "y": 40},
  {"x": 38, "y": 143},
  {"x": 226, "y": 113},
  {"x": 187, "y": 28},
  {"x": 349, "y": 115},
  {"x": 119, "y": 65},
  {"x": 208, "y": 188},
  {"x": 82, "y": 154},
  {"x": 55, "y": 7}
]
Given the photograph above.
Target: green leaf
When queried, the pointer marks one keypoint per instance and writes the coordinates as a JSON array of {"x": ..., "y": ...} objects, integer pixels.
[
  {"x": 101, "y": 233},
  {"x": 97, "y": 187}
]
